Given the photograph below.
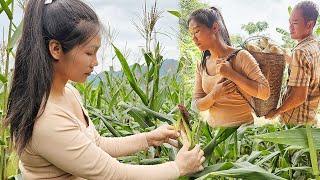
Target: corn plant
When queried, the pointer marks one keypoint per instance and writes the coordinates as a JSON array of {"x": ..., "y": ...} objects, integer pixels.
[
  {"x": 8, "y": 158},
  {"x": 139, "y": 98}
]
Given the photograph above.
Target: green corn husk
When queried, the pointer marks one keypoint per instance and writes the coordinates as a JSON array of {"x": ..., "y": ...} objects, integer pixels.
[{"x": 183, "y": 125}]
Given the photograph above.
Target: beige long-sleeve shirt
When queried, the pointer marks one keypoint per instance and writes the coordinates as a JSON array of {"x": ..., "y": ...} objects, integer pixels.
[
  {"x": 62, "y": 147},
  {"x": 232, "y": 109}
]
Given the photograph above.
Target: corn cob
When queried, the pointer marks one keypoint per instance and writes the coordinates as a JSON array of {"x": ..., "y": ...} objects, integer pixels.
[{"x": 183, "y": 125}]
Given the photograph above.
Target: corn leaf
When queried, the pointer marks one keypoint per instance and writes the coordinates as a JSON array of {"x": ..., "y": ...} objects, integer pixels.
[
  {"x": 222, "y": 135},
  {"x": 3, "y": 79},
  {"x": 138, "y": 114},
  {"x": 162, "y": 117},
  {"x": 8, "y": 3},
  {"x": 138, "y": 117},
  {"x": 130, "y": 76},
  {"x": 106, "y": 123},
  {"x": 213, "y": 168},
  {"x": 5, "y": 8},
  {"x": 155, "y": 86},
  {"x": 243, "y": 170},
  {"x": 148, "y": 57},
  {"x": 175, "y": 13},
  {"x": 16, "y": 36},
  {"x": 302, "y": 168},
  {"x": 268, "y": 157},
  {"x": 2, "y": 143},
  {"x": 295, "y": 137}
]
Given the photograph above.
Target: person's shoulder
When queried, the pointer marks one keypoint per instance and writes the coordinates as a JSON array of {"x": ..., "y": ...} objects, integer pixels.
[
  {"x": 309, "y": 46},
  {"x": 53, "y": 119},
  {"x": 74, "y": 91},
  {"x": 244, "y": 55},
  {"x": 54, "y": 123},
  {"x": 72, "y": 88}
]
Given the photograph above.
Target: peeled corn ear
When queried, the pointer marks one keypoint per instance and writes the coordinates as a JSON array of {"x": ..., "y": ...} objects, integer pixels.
[
  {"x": 254, "y": 48},
  {"x": 267, "y": 49},
  {"x": 263, "y": 43},
  {"x": 275, "y": 49}
]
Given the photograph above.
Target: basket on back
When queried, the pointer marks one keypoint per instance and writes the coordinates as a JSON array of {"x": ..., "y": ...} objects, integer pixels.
[
  {"x": 271, "y": 60},
  {"x": 272, "y": 66}
]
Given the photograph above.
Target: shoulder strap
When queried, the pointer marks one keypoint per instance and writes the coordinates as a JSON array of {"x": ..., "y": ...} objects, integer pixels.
[
  {"x": 230, "y": 58},
  {"x": 233, "y": 54}
]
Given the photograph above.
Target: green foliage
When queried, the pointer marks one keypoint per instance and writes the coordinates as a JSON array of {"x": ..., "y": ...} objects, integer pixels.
[
  {"x": 255, "y": 28},
  {"x": 139, "y": 99},
  {"x": 188, "y": 51}
]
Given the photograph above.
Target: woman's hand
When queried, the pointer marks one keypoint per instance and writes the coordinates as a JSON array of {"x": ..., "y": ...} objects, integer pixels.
[
  {"x": 223, "y": 88},
  {"x": 163, "y": 134},
  {"x": 225, "y": 69},
  {"x": 191, "y": 161}
]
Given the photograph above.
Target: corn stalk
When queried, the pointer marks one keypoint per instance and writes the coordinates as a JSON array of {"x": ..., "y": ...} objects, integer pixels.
[
  {"x": 5, "y": 145},
  {"x": 222, "y": 135},
  {"x": 313, "y": 152}
]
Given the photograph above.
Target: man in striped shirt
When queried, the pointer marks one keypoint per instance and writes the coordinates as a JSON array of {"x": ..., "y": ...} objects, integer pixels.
[{"x": 302, "y": 97}]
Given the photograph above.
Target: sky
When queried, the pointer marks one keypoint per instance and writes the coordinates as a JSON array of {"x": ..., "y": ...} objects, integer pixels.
[
  {"x": 274, "y": 12},
  {"x": 119, "y": 14}
]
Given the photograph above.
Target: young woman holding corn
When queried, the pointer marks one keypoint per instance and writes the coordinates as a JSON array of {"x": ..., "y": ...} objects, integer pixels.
[
  {"x": 51, "y": 130},
  {"x": 223, "y": 87}
]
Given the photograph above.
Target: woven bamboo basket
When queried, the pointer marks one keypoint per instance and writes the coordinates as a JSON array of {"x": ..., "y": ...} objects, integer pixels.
[{"x": 272, "y": 66}]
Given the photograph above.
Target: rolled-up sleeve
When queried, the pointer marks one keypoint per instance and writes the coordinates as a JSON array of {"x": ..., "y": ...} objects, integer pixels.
[{"x": 58, "y": 139}]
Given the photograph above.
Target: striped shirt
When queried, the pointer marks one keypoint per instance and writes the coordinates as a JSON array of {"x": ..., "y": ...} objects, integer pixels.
[{"x": 304, "y": 70}]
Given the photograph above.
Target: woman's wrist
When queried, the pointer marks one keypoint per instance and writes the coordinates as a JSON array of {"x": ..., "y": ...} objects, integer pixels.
[
  {"x": 213, "y": 94},
  {"x": 148, "y": 138},
  {"x": 180, "y": 170}
]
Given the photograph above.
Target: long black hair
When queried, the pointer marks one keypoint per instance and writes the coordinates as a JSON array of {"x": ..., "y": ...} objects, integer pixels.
[
  {"x": 70, "y": 22},
  {"x": 207, "y": 17}
]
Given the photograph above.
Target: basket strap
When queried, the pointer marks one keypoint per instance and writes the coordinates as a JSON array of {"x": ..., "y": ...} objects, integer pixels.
[{"x": 230, "y": 58}]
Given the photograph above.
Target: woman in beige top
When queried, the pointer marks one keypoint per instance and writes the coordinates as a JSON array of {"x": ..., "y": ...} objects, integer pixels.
[
  {"x": 51, "y": 131},
  {"x": 218, "y": 82}
]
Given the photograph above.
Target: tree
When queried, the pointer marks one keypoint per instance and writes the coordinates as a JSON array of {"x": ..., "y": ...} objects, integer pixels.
[
  {"x": 188, "y": 51},
  {"x": 255, "y": 28}
]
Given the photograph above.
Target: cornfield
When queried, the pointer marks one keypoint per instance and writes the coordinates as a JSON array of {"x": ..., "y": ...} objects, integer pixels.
[{"x": 140, "y": 98}]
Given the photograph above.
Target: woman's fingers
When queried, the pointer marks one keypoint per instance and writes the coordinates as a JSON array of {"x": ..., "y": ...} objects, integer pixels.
[
  {"x": 201, "y": 154},
  {"x": 171, "y": 134},
  {"x": 202, "y": 160},
  {"x": 169, "y": 127},
  {"x": 173, "y": 143},
  {"x": 226, "y": 82},
  {"x": 201, "y": 168},
  {"x": 229, "y": 86},
  {"x": 196, "y": 149}
]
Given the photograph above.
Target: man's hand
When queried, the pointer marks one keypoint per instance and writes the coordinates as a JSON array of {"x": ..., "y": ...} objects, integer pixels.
[{"x": 272, "y": 114}]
